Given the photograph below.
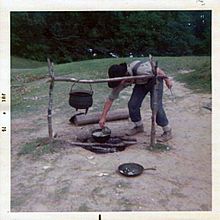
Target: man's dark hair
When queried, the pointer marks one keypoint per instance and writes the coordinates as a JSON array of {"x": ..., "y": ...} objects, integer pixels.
[{"x": 116, "y": 70}]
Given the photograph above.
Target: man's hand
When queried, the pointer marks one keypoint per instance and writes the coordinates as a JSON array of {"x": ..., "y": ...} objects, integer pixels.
[
  {"x": 169, "y": 83},
  {"x": 102, "y": 122}
]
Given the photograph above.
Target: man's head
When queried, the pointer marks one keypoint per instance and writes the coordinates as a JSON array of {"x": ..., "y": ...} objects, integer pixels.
[{"x": 117, "y": 70}]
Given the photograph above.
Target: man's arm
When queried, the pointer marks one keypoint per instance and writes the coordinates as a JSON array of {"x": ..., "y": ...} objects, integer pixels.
[
  {"x": 105, "y": 111},
  {"x": 108, "y": 103}
]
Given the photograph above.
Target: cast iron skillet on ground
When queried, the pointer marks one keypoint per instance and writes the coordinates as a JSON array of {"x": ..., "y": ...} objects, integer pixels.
[{"x": 132, "y": 169}]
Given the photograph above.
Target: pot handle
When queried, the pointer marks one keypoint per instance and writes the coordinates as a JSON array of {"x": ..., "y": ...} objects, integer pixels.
[
  {"x": 76, "y": 82},
  {"x": 91, "y": 88},
  {"x": 72, "y": 87}
]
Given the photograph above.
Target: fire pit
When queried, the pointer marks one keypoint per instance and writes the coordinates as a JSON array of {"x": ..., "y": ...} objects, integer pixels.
[{"x": 114, "y": 144}]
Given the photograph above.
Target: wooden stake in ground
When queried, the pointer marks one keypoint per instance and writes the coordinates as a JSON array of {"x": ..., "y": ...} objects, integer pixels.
[
  {"x": 50, "y": 102},
  {"x": 154, "y": 107}
]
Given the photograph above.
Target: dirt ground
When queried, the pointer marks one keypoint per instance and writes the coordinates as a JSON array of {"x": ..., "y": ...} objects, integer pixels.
[{"x": 74, "y": 179}]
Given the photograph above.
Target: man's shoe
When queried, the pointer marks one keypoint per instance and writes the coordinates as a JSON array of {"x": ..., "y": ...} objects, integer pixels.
[
  {"x": 135, "y": 130},
  {"x": 166, "y": 136}
]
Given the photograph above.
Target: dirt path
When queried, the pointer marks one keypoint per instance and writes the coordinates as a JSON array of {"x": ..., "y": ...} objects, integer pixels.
[{"x": 74, "y": 179}]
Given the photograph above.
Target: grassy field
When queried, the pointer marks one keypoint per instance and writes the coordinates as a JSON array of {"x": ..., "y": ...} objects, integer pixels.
[
  {"x": 29, "y": 87},
  {"x": 21, "y": 63}
]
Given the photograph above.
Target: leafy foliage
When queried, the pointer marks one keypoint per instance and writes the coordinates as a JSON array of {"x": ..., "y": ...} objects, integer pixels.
[{"x": 69, "y": 36}]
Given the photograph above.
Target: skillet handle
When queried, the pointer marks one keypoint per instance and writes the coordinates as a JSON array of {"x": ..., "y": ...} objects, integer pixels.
[{"x": 150, "y": 168}]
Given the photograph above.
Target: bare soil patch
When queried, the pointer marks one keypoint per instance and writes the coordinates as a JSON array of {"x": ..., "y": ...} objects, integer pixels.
[{"x": 73, "y": 179}]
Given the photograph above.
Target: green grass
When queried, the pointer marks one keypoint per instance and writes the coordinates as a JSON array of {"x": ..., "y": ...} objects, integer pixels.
[
  {"x": 21, "y": 63},
  {"x": 39, "y": 147},
  {"x": 29, "y": 91},
  {"x": 199, "y": 79}
]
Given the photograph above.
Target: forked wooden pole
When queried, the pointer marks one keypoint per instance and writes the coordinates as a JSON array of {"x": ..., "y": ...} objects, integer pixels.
[
  {"x": 50, "y": 102},
  {"x": 154, "y": 107}
]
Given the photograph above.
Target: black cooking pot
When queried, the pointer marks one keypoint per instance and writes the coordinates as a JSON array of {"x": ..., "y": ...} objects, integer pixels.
[
  {"x": 132, "y": 169},
  {"x": 80, "y": 98},
  {"x": 101, "y": 135}
]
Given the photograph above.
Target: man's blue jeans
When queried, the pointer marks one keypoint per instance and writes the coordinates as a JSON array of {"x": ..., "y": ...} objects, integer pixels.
[{"x": 137, "y": 97}]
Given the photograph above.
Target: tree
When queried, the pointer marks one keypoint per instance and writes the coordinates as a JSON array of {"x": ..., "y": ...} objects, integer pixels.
[{"x": 67, "y": 36}]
